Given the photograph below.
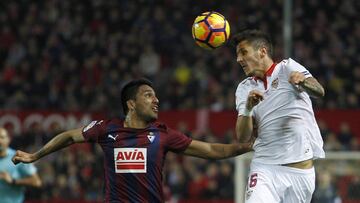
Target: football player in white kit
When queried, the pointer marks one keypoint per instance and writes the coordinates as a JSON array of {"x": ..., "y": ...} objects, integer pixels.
[{"x": 274, "y": 104}]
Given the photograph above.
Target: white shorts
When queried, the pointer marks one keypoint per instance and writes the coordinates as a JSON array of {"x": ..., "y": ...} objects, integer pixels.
[{"x": 279, "y": 184}]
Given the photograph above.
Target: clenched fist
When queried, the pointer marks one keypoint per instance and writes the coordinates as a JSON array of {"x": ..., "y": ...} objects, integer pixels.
[
  {"x": 253, "y": 99},
  {"x": 23, "y": 157},
  {"x": 296, "y": 78}
]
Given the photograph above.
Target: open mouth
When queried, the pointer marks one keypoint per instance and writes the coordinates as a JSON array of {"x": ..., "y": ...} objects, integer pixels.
[
  {"x": 244, "y": 67},
  {"x": 155, "y": 108}
]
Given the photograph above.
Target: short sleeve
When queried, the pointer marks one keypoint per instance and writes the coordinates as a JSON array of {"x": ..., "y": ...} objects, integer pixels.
[
  {"x": 292, "y": 65},
  {"x": 177, "y": 141},
  {"x": 241, "y": 95},
  {"x": 26, "y": 170},
  {"x": 94, "y": 130}
]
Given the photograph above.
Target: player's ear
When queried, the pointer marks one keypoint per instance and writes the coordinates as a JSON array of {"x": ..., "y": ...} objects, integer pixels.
[
  {"x": 131, "y": 104},
  {"x": 263, "y": 51}
]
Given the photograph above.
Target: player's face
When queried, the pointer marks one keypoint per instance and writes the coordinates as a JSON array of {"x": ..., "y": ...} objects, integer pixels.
[
  {"x": 4, "y": 139},
  {"x": 146, "y": 104},
  {"x": 249, "y": 59}
]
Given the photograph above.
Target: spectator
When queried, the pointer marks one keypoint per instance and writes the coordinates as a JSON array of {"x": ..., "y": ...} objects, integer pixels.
[
  {"x": 141, "y": 39},
  {"x": 14, "y": 179},
  {"x": 332, "y": 143},
  {"x": 325, "y": 190},
  {"x": 345, "y": 136},
  {"x": 354, "y": 188}
]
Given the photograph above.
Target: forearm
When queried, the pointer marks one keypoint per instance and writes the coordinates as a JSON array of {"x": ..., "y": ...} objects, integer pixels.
[
  {"x": 223, "y": 151},
  {"x": 32, "y": 181},
  {"x": 312, "y": 87},
  {"x": 58, "y": 142},
  {"x": 244, "y": 129}
]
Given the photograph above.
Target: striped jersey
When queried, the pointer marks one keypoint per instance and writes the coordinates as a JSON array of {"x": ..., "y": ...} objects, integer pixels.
[{"x": 134, "y": 158}]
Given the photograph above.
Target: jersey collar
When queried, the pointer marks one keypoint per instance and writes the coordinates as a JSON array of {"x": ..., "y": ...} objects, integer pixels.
[{"x": 268, "y": 73}]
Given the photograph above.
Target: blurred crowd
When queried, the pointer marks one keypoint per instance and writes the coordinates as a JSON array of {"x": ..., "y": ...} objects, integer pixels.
[{"x": 76, "y": 55}]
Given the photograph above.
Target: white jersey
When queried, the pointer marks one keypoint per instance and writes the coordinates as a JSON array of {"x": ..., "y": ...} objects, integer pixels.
[{"x": 287, "y": 129}]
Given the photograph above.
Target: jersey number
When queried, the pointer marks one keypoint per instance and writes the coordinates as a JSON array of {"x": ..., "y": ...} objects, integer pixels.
[{"x": 253, "y": 180}]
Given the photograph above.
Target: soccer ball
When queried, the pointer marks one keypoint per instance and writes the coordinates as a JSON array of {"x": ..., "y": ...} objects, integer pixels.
[{"x": 210, "y": 30}]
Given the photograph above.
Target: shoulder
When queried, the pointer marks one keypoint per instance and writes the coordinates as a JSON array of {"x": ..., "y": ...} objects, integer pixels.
[
  {"x": 289, "y": 63},
  {"x": 160, "y": 126},
  {"x": 11, "y": 152},
  {"x": 249, "y": 81},
  {"x": 246, "y": 84},
  {"x": 107, "y": 122},
  {"x": 115, "y": 121},
  {"x": 103, "y": 124}
]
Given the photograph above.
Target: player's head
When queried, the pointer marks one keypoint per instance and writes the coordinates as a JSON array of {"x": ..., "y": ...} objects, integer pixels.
[
  {"x": 4, "y": 139},
  {"x": 138, "y": 96},
  {"x": 253, "y": 47}
]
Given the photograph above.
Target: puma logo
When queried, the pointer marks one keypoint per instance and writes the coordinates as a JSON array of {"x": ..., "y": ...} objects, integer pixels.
[{"x": 112, "y": 137}]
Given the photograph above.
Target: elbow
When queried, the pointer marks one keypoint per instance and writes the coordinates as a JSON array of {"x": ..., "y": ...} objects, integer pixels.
[
  {"x": 245, "y": 148},
  {"x": 237, "y": 137},
  {"x": 244, "y": 139},
  {"x": 37, "y": 182},
  {"x": 322, "y": 92}
]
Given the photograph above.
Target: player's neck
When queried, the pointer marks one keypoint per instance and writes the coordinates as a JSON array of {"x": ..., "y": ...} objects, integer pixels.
[
  {"x": 265, "y": 64},
  {"x": 131, "y": 121},
  {"x": 3, "y": 153}
]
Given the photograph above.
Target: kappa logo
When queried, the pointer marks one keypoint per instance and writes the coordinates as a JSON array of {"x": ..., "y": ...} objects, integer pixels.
[
  {"x": 112, "y": 137},
  {"x": 130, "y": 160},
  {"x": 151, "y": 137},
  {"x": 248, "y": 194},
  {"x": 90, "y": 125}
]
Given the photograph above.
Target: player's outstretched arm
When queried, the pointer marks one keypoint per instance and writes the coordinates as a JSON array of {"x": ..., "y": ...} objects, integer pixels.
[
  {"x": 31, "y": 180},
  {"x": 310, "y": 84},
  {"x": 216, "y": 150},
  {"x": 58, "y": 142},
  {"x": 244, "y": 123}
]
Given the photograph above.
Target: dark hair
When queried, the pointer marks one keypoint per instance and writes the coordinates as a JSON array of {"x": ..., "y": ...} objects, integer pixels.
[
  {"x": 130, "y": 90},
  {"x": 256, "y": 38}
]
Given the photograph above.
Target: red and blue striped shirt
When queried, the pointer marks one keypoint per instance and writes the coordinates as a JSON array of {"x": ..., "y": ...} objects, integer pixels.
[{"x": 134, "y": 158}]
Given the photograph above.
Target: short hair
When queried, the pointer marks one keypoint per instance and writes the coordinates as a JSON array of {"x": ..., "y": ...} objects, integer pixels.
[
  {"x": 130, "y": 90},
  {"x": 256, "y": 38}
]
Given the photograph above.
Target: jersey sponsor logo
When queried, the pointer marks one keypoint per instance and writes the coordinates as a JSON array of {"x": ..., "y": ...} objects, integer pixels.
[
  {"x": 130, "y": 160},
  {"x": 90, "y": 125},
  {"x": 151, "y": 137}
]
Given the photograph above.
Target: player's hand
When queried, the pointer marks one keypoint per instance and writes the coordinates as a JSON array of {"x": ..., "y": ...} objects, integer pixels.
[
  {"x": 253, "y": 99},
  {"x": 6, "y": 177},
  {"x": 23, "y": 157},
  {"x": 296, "y": 78}
]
